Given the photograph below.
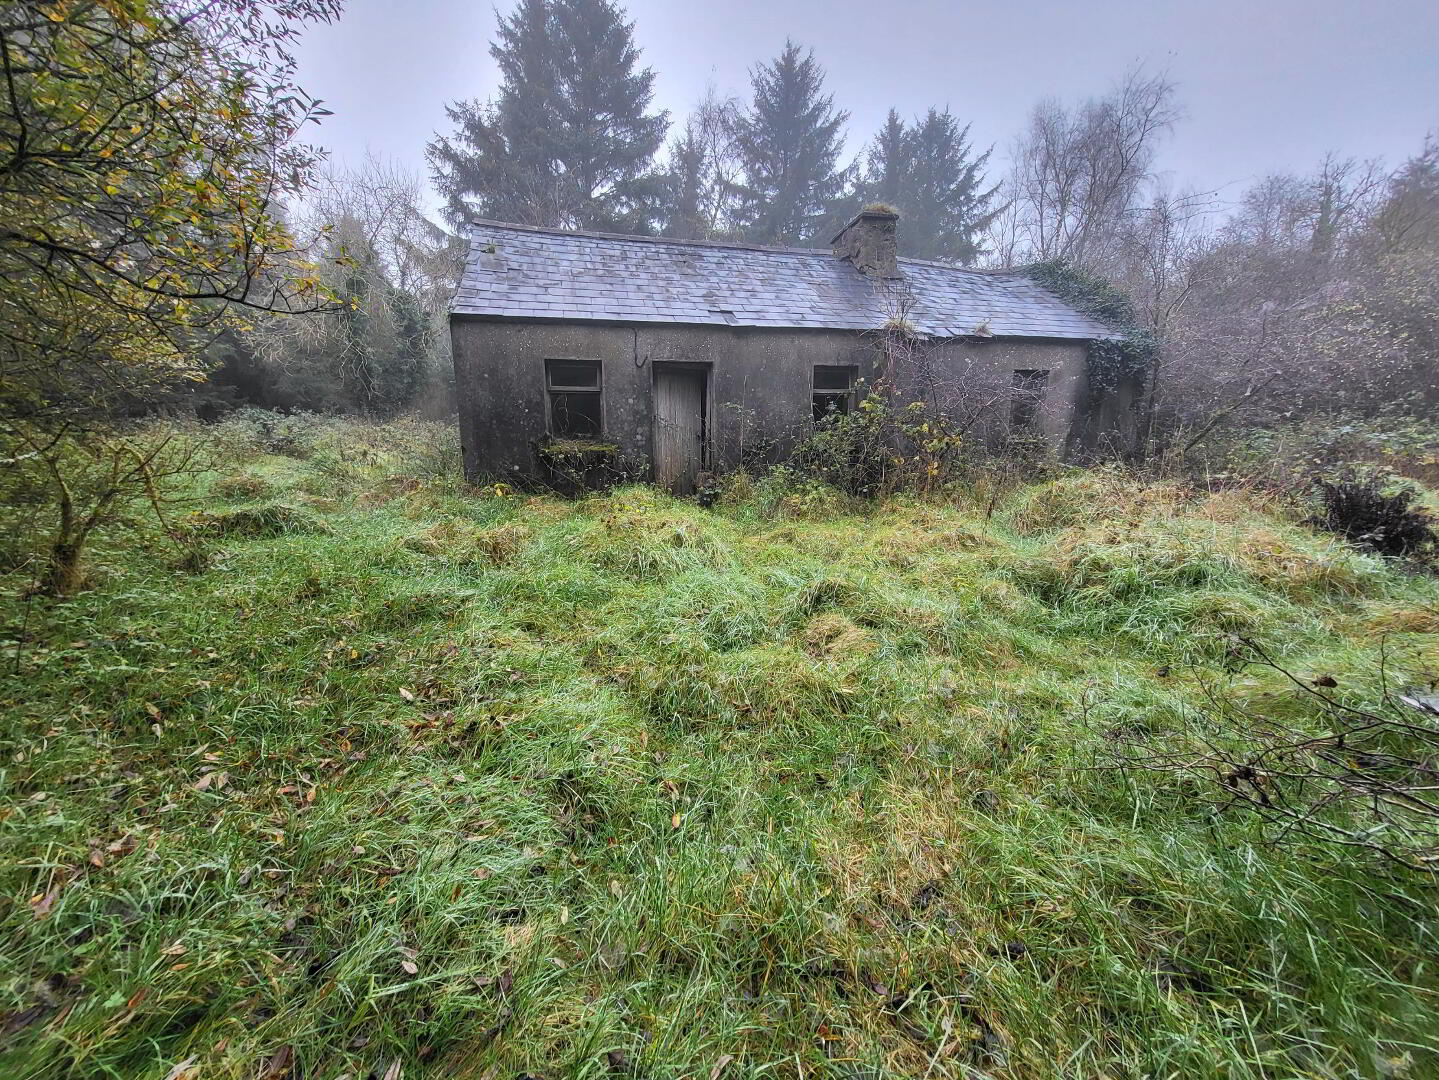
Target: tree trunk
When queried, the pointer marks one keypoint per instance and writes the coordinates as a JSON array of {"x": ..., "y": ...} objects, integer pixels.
[{"x": 64, "y": 574}]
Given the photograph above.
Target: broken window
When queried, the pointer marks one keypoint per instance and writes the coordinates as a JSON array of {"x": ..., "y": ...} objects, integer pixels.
[
  {"x": 574, "y": 389},
  {"x": 833, "y": 390},
  {"x": 1027, "y": 395}
]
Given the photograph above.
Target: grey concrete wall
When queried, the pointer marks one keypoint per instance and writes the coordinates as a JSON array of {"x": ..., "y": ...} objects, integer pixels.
[{"x": 760, "y": 382}]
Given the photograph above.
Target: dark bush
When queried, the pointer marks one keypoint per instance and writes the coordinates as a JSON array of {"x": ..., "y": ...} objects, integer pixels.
[
  {"x": 851, "y": 452},
  {"x": 1368, "y": 510}
]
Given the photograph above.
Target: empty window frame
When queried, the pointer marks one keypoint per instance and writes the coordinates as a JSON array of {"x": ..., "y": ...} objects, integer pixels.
[
  {"x": 833, "y": 390},
  {"x": 574, "y": 398},
  {"x": 1026, "y": 398}
]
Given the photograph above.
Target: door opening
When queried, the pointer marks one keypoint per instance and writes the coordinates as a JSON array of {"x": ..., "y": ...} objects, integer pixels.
[{"x": 681, "y": 412}]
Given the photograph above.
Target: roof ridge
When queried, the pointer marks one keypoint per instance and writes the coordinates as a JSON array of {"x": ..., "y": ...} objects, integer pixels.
[
  {"x": 988, "y": 271},
  {"x": 596, "y": 234}
]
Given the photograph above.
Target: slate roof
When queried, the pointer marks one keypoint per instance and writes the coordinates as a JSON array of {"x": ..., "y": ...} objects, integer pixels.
[{"x": 518, "y": 271}]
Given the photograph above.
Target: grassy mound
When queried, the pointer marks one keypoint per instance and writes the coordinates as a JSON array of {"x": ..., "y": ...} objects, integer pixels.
[
  {"x": 461, "y": 783},
  {"x": 258, "y": 522}
]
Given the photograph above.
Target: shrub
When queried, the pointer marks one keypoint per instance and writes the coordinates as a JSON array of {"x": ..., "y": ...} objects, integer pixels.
[
  {"x": 1370, "y": 512},
  {"x": 783, "y": 492},
  {"x": 853, "y": 452},
  {"x": 260, "y": 431}
]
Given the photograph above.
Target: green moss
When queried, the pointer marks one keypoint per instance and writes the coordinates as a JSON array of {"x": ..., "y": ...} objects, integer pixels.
[{"x": 571, "y": 450}]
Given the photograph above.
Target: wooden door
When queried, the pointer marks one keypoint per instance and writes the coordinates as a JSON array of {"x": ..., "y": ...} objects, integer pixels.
[{"x": 679, "y": 427}]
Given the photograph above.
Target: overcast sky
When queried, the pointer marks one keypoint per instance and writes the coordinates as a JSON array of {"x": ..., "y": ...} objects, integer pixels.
[{"x": 1268, "y": 85}]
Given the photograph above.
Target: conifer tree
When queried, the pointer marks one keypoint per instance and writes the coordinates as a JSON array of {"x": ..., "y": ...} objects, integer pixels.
[
  {"x": 570, "y": 139},
  {"x": 789, "y": 141},
  {"x": 685, "y": 186},
  {"x": 943, "y": 197},
  {"x": 928, "y": 171},
  {"x": 886, "y": 162}
]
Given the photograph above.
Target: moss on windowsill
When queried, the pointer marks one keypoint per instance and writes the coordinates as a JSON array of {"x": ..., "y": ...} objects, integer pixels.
[{"x": 578, "y": 450}]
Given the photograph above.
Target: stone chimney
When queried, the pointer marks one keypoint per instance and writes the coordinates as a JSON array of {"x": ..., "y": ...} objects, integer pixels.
[{"x": 868, "y": 242}]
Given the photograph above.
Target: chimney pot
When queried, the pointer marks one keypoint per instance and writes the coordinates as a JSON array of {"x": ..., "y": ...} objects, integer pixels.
[{"x": 869, "y": 243}]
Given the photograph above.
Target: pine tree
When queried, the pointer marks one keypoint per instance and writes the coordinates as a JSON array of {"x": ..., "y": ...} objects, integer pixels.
[
  {"x": 928, "y": 172},
  {"x": 789, "y": 141},
  {"x": 1408, "y": 217},
  {"x": 886, "y": 163},
  {"x": 943, "y": 197},
  {"x": 685, "y": 186},
  {"x": 569, "y": 140}
]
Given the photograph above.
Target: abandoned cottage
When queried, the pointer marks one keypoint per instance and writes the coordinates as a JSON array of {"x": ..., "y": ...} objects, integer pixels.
[{"x": 680, "y": 356}]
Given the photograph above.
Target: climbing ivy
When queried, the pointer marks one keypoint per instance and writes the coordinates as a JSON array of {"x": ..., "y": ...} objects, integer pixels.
[{"x": 1111, "y": 362}]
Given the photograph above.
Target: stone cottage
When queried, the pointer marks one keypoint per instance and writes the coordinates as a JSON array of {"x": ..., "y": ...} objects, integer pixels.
[{"x": 682, "y": 355}]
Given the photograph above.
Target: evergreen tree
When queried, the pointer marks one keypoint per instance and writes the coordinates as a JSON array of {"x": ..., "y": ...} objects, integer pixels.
[
  {"x": 1408, "y": 217},
  {"x": 887, "y": 162},
  {"x": 943, "y": 197},
  {"x": 789, "y": 142},
  {"x": 569, "y": 140},
  {"x": 703, "y": 170},
  {"x": 685, "y": 181},
  {"x": 929, "y": 173}
]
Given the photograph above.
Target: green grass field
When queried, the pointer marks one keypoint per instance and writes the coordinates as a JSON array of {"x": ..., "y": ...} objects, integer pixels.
[{"x": 413, "y": 780}]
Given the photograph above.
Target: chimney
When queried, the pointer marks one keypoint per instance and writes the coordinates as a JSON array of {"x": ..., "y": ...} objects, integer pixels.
[{"x": 868, "y": 242}]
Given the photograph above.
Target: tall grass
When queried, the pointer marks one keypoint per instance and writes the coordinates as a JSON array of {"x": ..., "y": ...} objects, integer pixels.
[{"x": 451, "y": 782}]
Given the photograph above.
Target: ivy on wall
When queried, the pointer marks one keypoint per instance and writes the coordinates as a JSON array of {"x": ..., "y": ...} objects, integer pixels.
[{"x": 1130, "y": 355}]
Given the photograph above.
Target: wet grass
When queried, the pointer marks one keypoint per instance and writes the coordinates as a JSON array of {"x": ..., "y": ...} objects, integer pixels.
[{"x": 442, "y": 782}]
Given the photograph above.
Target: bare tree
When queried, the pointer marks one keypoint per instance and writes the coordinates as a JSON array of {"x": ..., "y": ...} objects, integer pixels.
[
  {"x": 1307, "y": 301},
  {"x": 1078, "y": 171},
  {"x": 1344, "y": 194},
  {"x": 1158, "y": 264},
  {"x": 705, "y": 170},
  {"x": 394, "y": 270}
]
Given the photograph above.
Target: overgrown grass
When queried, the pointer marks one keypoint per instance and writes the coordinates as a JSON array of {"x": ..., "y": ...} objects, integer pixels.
[{"x": 489, "y": 785}]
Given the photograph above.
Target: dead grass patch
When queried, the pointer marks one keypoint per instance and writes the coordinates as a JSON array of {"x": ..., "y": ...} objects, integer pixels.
[
  {"x": 831, "y": 636},
  {"x": 457, "y": 540},
  {"x": 1398, "y": 620}
]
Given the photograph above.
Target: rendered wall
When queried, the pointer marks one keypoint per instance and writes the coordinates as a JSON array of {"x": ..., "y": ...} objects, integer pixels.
[{"x": 760, "y": 383}]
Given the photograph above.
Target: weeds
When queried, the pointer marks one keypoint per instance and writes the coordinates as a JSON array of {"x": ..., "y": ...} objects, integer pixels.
[
  {"x": 1366, "y": 509},
  {"x": 491, "y": 785}
]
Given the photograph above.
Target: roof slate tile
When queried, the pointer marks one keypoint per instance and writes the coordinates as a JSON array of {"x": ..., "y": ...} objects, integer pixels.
[{"x": 516, "y": 271}]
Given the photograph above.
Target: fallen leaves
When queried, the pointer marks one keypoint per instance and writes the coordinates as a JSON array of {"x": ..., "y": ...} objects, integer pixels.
[
  {"x": 408, "y": 958},
  {"x": 41, "y": 903},
  {"x": 211, "y": 777},
  {"x": 279, "y": 1064}
]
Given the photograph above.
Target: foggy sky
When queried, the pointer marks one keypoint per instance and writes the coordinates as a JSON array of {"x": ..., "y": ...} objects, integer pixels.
[{"x": 1268, "y": 85}]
